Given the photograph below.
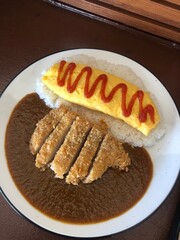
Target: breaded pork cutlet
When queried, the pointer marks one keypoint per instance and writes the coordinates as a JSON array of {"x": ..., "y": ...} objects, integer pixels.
[
  {"x": 80, "y": 168},
  {"x": 111, "y": 154},
  {"x": 78, "y": 149},
  {"x": 55, "y": 139},
  {"x": 44, "y": 127},
  {"x": 71, "y": 147}
]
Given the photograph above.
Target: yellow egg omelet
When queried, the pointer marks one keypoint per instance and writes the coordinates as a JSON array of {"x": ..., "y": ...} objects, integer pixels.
[{"x": 101, "y": 91}]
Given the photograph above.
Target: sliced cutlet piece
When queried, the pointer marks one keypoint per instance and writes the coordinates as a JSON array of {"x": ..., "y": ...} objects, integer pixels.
[
  {"x": 44, "y": 127},
  {"x": 54, "y": 141},
  {"x": 80, "y": 168},
  {"x": 71, "y": 147},
  {"x": 111, "y": 154}
]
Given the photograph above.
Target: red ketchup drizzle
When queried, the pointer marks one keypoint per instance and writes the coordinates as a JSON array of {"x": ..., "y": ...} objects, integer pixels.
[{"x": 103, "y": 79}]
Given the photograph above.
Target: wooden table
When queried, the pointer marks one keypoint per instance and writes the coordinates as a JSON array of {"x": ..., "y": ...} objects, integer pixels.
[{"x": 33, "y": 29}]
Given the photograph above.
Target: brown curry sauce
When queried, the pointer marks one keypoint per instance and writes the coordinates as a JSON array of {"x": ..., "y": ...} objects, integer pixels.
[{"x": 113, "y": 194}]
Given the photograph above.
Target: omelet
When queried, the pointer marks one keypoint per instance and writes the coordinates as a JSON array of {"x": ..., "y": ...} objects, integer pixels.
[{"x": 104, "y": 92}]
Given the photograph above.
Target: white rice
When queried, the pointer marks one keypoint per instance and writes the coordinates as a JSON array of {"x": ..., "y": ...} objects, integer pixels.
[{"x": 118, "y": 128}]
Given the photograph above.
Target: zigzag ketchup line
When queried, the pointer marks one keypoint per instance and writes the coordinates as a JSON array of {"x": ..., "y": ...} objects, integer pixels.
[{"x": 103, "y": 79}]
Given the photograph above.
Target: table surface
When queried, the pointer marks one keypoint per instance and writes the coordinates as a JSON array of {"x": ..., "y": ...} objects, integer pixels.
[{"x": 33, "y": 29}]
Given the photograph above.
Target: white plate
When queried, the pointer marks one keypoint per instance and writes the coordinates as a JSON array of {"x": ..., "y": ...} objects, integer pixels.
[{"x": 165, "y": 154}]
